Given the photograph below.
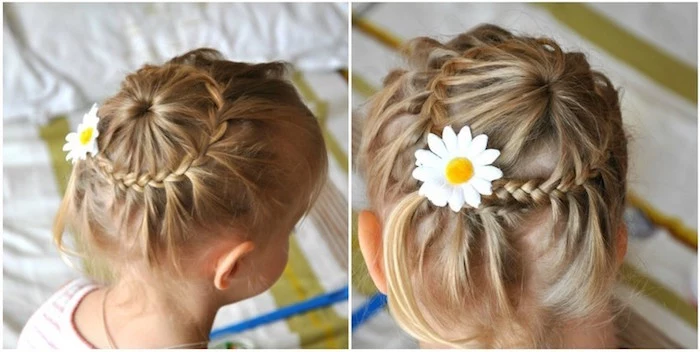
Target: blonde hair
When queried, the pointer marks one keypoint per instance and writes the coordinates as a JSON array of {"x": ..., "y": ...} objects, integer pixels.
[
  {"x": 189, "y": 150},
  {"x": 563, "y": 150}
]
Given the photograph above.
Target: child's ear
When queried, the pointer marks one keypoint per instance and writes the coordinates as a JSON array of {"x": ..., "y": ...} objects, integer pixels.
[
  {"x": 229, "y": 262},
  {"x": 369, "y": 233}
]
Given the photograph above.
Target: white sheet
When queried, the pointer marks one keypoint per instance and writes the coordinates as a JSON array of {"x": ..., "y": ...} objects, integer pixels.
[{"x": 63, "y": 56}]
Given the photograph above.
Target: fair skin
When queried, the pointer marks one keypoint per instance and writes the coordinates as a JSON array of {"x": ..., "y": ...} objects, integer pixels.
[
  {"x": 227, "y": 272},
  {"x": 596, "y": 332}
]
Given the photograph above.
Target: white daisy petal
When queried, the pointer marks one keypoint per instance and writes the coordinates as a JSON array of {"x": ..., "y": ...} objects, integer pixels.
[
  {"x": 91, "y": 115},
  {"x": 427, "y": 174},
  {"x": 437, "y": 146},
  {"x": 94, "y": 150},
  {"x": 464, "y": 139},
  {"x": 450, "y": 139},
  {"x": 486, "y": 157},
  {"x": 488, "y": 172},
  {"x": 471, "y": 196},
  {"x": 71, "y": 137},
  {"x": 77, "y": 149},
  {"x": 478, "y": 145},
  {"x": 440, "y": 195},
  {"x": 69, "y": 155},
  {"x": 432, "y": 162},
  {"x": 482, "y": 186},
  {"x": 456, "y": 200},
  {"x": 420, "y": 174},
  {"x": 93, "y": 110},
  {"x": 90, "y": 121},
  {"x": 426, "y": 158},
  {"x": 424, "y": 189},
  {"x": 429, "y": 188}
]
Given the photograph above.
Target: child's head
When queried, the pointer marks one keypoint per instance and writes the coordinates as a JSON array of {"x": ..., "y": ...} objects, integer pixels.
[
  {"x": 195, "y": 156},
  {"x": 541, "y": 250}
]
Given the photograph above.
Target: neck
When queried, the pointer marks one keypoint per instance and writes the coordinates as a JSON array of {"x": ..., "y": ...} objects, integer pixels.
[
  {"x": 132, "y": 307},
  {"x": 599, "y": 332},
  {"x": 596, "y": 333}
]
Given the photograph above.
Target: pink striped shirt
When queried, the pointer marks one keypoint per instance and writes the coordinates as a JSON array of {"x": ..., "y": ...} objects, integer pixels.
[{"x": 52, "y": 326}]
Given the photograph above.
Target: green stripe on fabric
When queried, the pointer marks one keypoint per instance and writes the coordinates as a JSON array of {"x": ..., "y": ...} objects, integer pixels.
[
  {"x": 336, "y": 150},
  {"x": 361, "y": 86},
  {"x": 674, "y": 225},
  {"x": 54, "y": 135},
  {"x": 381, "y": 35},
  {"x": 320, "y": 109},
  {"x": 659, "y": 293},
  {"x": 633, "y": 51},
  {"x": 321, "y": 328}
]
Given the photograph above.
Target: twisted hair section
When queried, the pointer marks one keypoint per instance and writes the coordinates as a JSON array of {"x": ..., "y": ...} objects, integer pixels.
[
  {"x": 191, "y": 149},
  {"x": 563, "y": 150}
]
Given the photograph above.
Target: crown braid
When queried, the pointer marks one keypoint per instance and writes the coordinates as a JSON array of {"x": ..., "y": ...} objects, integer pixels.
[
  {"x": 189, "y": 150},
  {"x": 563, "y": 150},
  {"x": 137, "y": 182}
]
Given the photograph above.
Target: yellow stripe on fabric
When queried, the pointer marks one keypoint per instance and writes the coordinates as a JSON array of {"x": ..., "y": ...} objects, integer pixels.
[
  {"x": 54, "y": 135},
  {"x": 362, "y": 87},
  {"x": 376, "y": 32},
  {"x": 633, "y": 51},
  {"x": 320, "y": 109},
  {"x": 343, "y": 73},
  {"x": 320, "y": 328},
  {"x": 674, "y": 225},
  {"x": 657, "y": 292}
]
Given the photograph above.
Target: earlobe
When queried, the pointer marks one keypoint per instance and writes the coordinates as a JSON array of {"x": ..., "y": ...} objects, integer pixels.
[
  {"x": 228, "y": 264},
  {"x": 369, "y": 233}
]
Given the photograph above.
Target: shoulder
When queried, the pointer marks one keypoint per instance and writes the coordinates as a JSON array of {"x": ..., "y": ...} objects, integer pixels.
[{"x": 51, "y": 325}]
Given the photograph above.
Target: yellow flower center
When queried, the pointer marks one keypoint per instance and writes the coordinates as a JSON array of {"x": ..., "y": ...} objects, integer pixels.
[
  {"x": 85, "y": 136},
  {"x": 459, "y": 170}
]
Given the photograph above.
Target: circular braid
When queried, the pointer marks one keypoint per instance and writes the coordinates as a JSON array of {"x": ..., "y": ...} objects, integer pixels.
[
  {"x": 138, "y": 182},
  {"x": 432, "y": 105}
]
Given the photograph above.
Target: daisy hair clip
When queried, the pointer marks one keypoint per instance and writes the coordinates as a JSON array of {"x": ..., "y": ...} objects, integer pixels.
[
  {"x": 456, "y": 169},
  {"x": 84, "y": 141}
]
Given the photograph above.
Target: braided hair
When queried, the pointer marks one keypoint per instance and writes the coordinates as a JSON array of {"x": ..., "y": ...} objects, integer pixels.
[
  {"x": 558, "y": 126},
  {"x": 191, "y": 149}
]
